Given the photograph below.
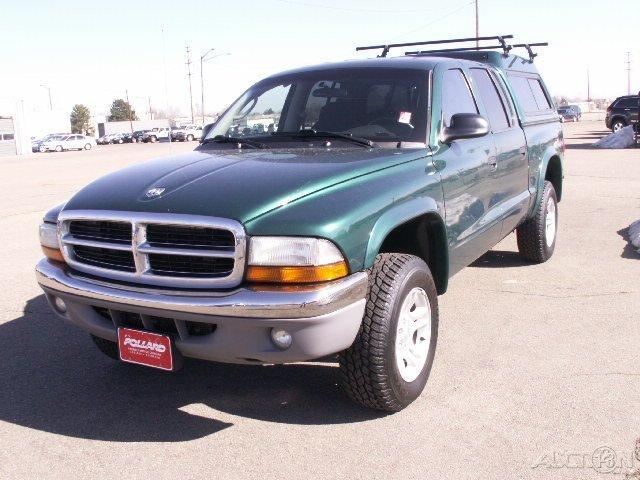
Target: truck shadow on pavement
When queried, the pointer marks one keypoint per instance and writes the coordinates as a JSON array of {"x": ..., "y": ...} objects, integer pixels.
[
  {"x": 500, "y": 259},
  {"x": 54, "y": 379}
]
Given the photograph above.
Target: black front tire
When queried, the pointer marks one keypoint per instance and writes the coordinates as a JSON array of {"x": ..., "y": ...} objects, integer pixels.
[
  {"x": 618, "y": 125},
  {"x": 533, "y": 242},
  {"x": 368, "y": 368},
  {"x": 109, "y": 348}
]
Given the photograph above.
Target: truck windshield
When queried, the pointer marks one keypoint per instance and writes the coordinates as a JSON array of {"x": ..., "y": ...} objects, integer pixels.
[{"x": 377, "y": 104}]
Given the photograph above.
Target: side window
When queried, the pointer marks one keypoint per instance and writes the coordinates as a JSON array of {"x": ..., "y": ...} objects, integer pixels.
[
  {"x": 496, "y": 111},
  {"x": 506, "y": 97},
  {"x": 456, "y": 95},
  {"x": 628, "y": 102},
  {"x": 523, "y": 93},
  {"x": 538, "y": 93}
]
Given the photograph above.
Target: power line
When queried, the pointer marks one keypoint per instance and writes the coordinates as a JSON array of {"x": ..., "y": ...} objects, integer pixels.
[
  {"x": 436, "y": 20},
  {"x": 348, "y": 9}
]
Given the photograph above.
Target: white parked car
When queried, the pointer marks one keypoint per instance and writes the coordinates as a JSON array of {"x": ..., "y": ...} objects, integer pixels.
[
  {"x": 156, "y": 134},
  {"x": 68, "y": 142},
  {"x": 188, "y": 133}
]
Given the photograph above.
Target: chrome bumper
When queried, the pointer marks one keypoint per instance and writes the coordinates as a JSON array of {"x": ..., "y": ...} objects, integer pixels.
[{"x": 323, "y": 319}]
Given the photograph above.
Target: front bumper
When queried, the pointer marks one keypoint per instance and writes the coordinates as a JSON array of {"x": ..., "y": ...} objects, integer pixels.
[{"x": 322, "y": 319}]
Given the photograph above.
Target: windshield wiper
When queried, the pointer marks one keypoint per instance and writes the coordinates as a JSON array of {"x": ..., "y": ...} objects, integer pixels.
[
  {"x": 240, "y": 141},
  {"x": 309, "y": 133}
]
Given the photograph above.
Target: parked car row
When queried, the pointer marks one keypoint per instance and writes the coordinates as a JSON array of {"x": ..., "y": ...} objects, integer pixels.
[
  {"x": 184, "y": 133},
  {"x": 59, "y": 142}
]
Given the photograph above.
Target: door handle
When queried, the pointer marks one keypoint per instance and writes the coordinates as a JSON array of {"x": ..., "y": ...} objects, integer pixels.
[
  {"x": 493, "y": 163},
  {"x": 523, "y": 151}
]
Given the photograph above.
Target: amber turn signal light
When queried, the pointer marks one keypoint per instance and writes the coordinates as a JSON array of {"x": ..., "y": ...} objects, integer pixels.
[
  {"x": 306, "y": 274},
  {"x": 53, "y": 254}
]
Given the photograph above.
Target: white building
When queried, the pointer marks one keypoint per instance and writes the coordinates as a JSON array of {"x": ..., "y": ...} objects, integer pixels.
[{"x": 19, "y": 125}]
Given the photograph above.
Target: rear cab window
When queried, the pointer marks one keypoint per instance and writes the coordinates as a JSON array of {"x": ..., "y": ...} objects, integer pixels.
[{"x": 530, "y": 95}]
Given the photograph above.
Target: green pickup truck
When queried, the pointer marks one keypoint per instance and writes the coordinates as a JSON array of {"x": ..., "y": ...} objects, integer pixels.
[{"x": 331, "y": 233}]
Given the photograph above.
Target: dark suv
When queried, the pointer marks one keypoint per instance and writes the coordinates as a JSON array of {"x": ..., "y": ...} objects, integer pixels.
[{"x": 622, "y": 112}]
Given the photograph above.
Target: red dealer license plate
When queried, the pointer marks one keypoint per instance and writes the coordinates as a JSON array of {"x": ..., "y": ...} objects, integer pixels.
[{"x": 145, "y": 348}]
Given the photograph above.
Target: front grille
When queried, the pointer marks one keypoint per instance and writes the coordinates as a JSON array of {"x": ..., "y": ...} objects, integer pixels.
[
  {"x": 105, "y": 257},
  {"x": 117, "y": 232},
  {"x": 190, "y": 265},
  {"x": 189, "y": 237},
  {"x": 151, "y": 323},
  {"x": 170, "y": 250}
]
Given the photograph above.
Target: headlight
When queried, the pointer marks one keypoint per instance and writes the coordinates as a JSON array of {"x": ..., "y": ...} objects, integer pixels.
[
  {"x": 294, "y": 260},
  {"x": 49, "y": 242}
]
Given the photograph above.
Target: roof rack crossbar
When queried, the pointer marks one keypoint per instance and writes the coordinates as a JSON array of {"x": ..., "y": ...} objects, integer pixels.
[
  {"x": 528, "y": 46},
  {"x": 386, "y": 48},
  {"x": 506, "y": 50},
  {"x": 446, "y": 50}
]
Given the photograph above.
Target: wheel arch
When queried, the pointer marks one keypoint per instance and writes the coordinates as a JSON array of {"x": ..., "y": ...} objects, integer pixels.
[
  {"x": 553, "y": 173},
  {"x": 622, "y": 118},
  {"x": 406, "y": 230}
]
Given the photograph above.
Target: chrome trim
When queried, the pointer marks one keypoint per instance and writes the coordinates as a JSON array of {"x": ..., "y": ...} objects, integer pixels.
[
  {"x": 141, "y": 249},
  {"x": 268, "y": 303}
]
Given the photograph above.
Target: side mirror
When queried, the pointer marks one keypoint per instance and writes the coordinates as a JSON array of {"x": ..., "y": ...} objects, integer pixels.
[
  {"x": 205, "y": 131},
  {"x": 465, "y": 125}
]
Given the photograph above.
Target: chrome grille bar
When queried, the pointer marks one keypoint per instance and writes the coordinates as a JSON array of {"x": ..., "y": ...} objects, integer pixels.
[{"x": 141, "y": 249}]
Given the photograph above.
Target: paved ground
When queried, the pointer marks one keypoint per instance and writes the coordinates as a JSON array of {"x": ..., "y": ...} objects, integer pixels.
[{"x": 536, "y": 365}]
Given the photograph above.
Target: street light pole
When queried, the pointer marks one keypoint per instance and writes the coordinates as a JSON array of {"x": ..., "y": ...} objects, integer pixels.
[
  {"x": 202, "y": 82},
  {"x": 203, "y": 58},
  {"x": 126, "y": 91},
  {"x": 50, "y": 102}
]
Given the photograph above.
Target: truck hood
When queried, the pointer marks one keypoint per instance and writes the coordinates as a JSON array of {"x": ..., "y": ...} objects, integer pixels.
[{"x": 241, "y": 185}]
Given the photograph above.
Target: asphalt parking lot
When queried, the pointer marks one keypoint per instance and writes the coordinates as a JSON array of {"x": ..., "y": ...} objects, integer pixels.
[{"x": 536, "y": 372}]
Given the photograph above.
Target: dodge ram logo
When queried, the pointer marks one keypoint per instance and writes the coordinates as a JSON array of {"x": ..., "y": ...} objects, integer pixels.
[{"x": 154, "y": 192}]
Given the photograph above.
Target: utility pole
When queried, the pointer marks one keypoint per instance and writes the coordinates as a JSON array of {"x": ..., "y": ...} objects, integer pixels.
[
  {"x": 150, "y": 111},
  {"x": 129, "y": 110},
  {"x": 588, "y": 87},
  {"x": 477, "y": 24},
  {"x": 189, "y": 75},
  {"x": 49, "y": 89},
  {"x": 628, "y": 73}
]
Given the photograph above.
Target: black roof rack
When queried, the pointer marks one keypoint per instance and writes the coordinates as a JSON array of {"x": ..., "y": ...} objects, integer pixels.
[
  {"x": 503, "y": 45},
  {"x": 528, "y": 46},
  {"x": 386, "y": 48}
]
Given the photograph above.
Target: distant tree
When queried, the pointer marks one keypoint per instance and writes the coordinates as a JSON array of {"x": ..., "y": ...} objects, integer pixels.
[
  {"x": 81, "y": 119},
  {"x": 121, "y": 111},
  {"x": 268, "y": 111}
]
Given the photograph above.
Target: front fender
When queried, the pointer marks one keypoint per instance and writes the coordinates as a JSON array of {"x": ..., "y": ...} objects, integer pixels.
[
  {"x": 394, "y": 217},
  {"x": 358, "y": 214}
]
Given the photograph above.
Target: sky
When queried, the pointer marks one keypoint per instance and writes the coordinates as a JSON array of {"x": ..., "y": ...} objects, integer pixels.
[{"x": 92, "y": 52}]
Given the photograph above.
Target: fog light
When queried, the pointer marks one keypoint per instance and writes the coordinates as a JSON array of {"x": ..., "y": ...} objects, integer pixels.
[
  {"x": 281, "y": 338},
  {"x": 60, "y": 304}
]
